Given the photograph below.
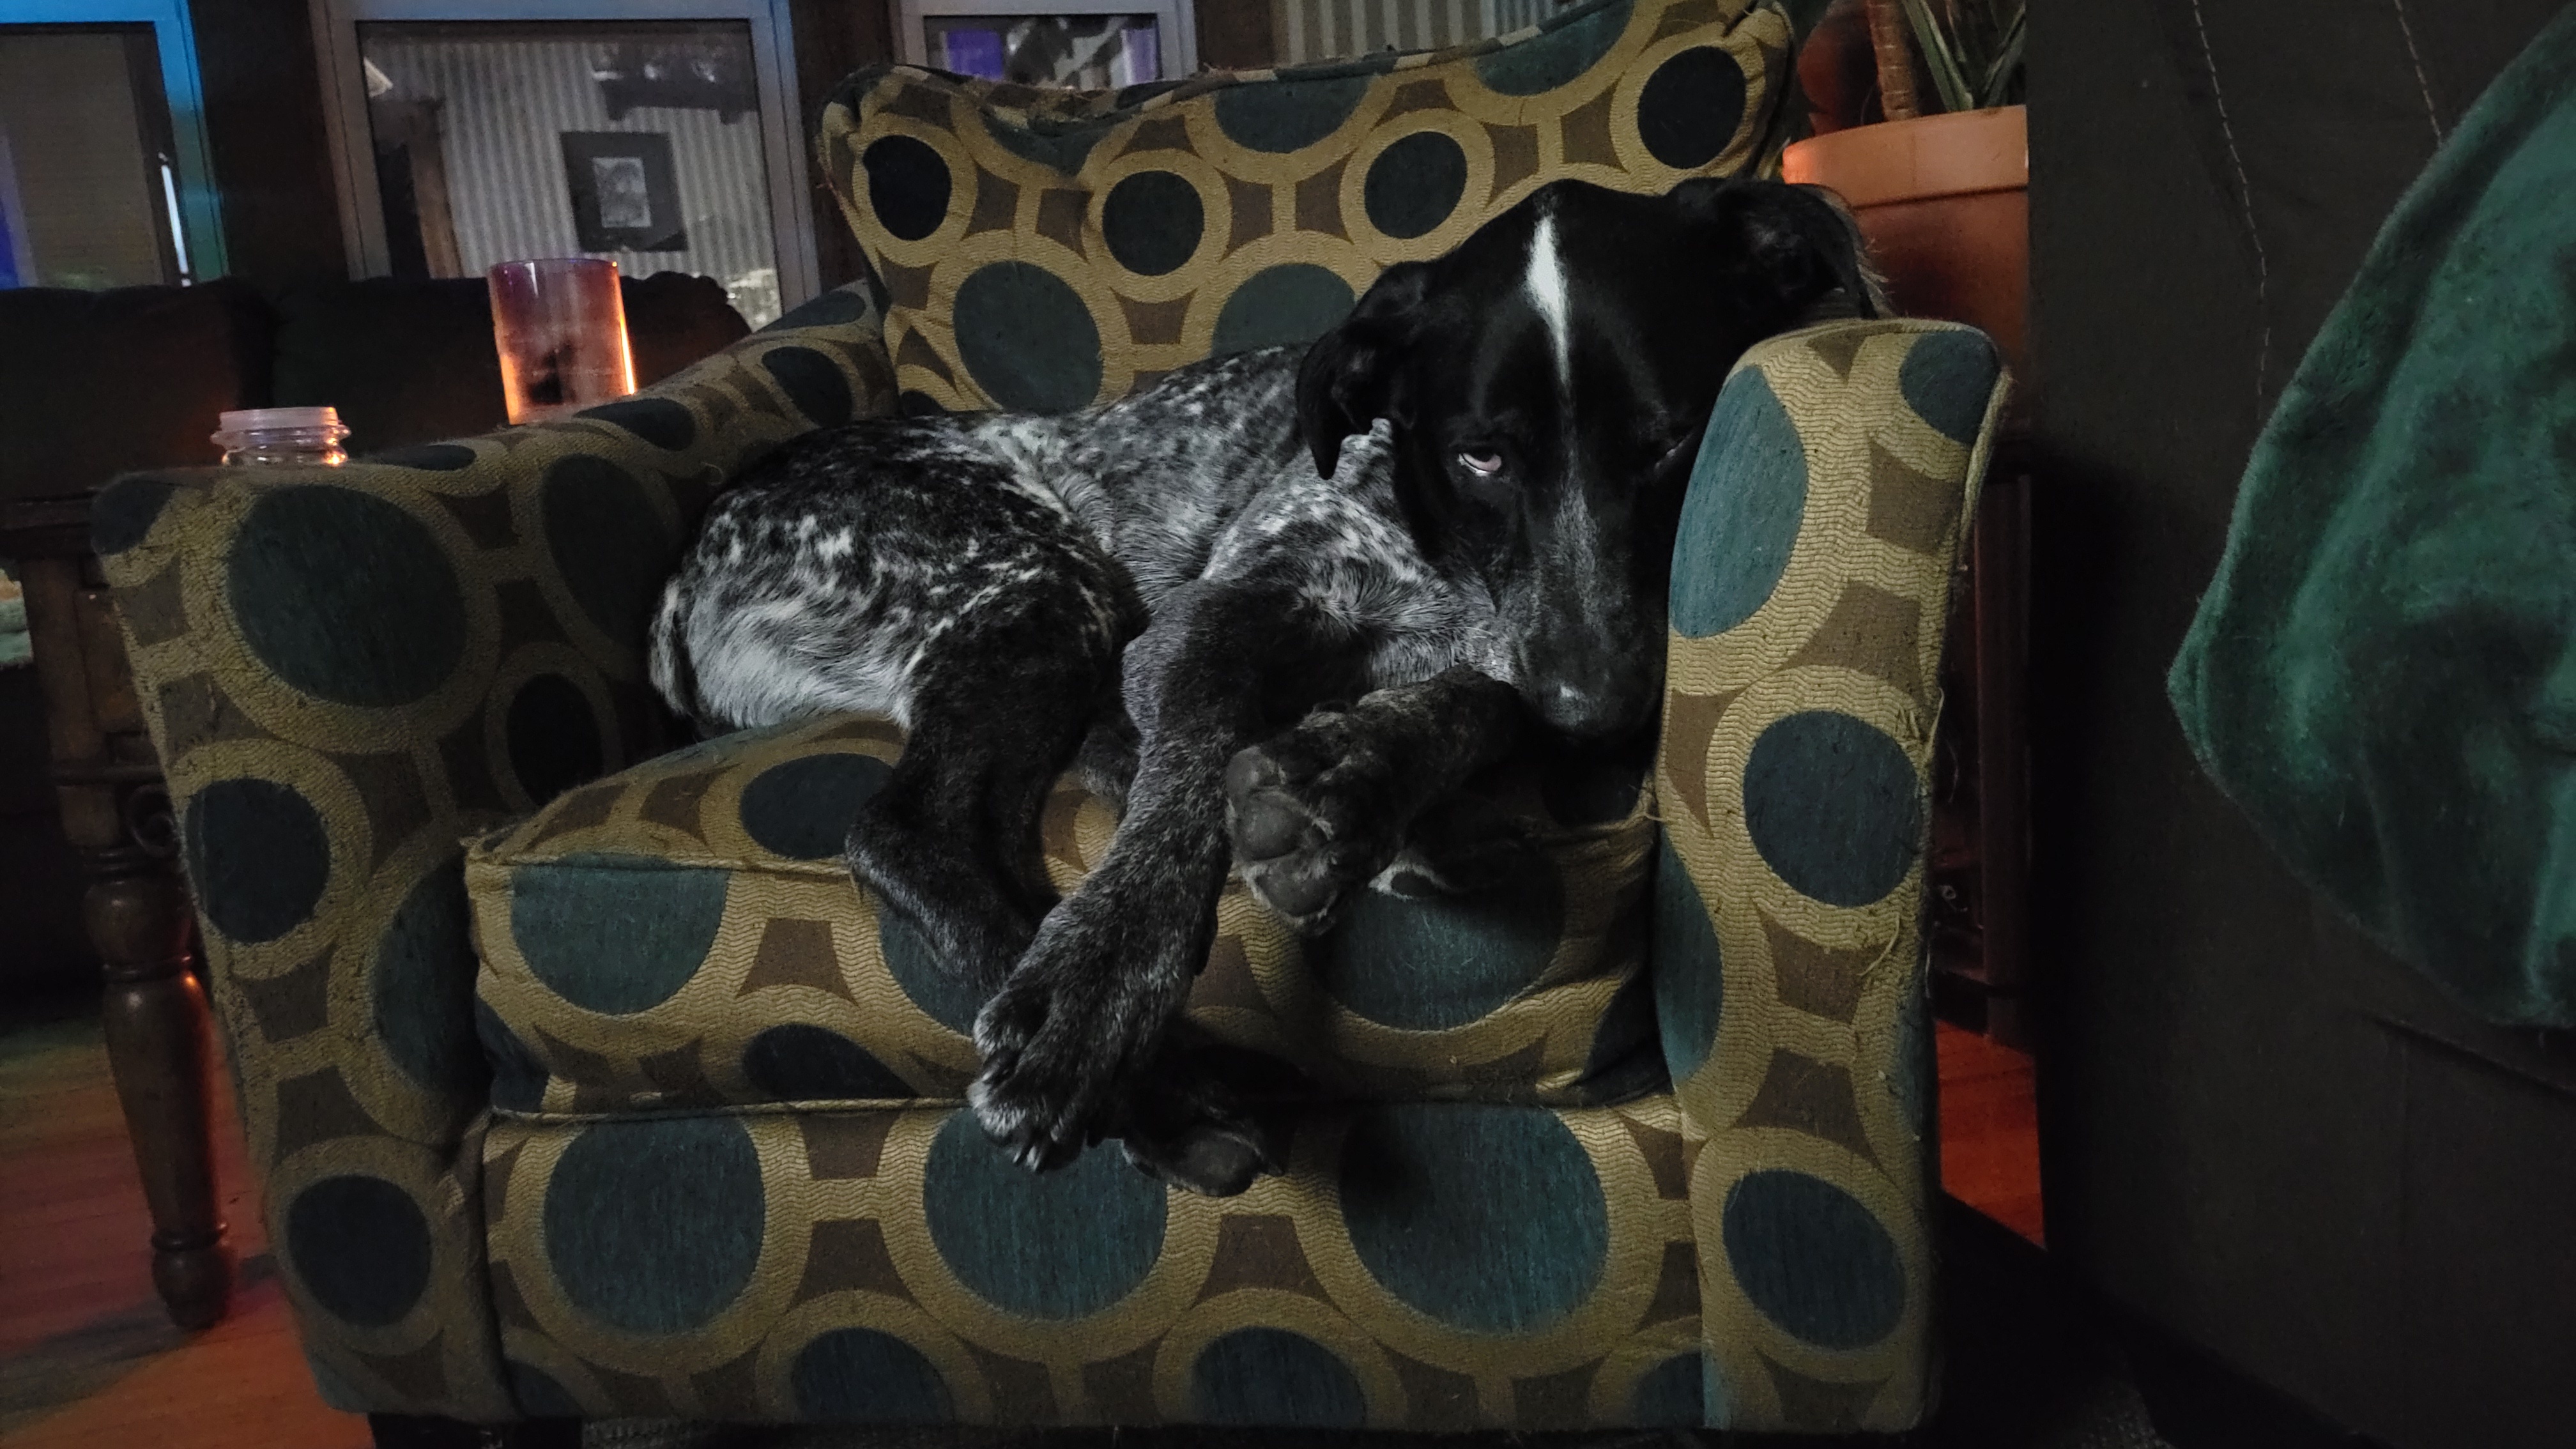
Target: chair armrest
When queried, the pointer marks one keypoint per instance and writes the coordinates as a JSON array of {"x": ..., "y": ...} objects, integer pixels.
[
  {"x": 1811, "y": 586},
  {"x": 346, "y": 671}
]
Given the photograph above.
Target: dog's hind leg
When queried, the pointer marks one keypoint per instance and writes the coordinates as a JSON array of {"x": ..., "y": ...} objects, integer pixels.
[
  {"x": 950, "y": 841},
  {"x": 1079, "y": 1026}
]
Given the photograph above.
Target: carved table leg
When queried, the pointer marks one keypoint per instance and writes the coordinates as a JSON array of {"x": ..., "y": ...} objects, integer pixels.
[
  {"x": 116, "y": 814},
  {"x": 156, "y": 1044}
]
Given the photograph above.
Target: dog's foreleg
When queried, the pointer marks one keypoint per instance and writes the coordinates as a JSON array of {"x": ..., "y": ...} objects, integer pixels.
[
  {"x": 1318, "y": 811},
  {"x": 1082, "y": 1015}
]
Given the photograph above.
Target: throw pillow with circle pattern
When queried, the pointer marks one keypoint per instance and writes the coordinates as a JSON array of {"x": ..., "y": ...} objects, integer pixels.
[{"x": 1045, "y": 250}]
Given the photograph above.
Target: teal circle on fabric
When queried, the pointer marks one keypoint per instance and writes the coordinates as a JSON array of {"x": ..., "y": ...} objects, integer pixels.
[
  {"x": 345, "y": 596},
  {"x": 1813, "y": 1259},
  {"x": 518, "y": 1079},
  {"x": 653, "y": 1224},
  {"x": 1027, "y": 338},
  {"x": 1264, "y": 1378},
  {"x": 864, "y": 1376},
  {"x": 552, "y": 736},
  {"x": 1414, "y": 184},
  {"x": 536, "y": 1392},
  {"x": 607, "y": 543},
  {"x": 1488, "y": 1218},
  {"x": 1053, "y": 1245},
  {"x": 429, "y": 457},
  {"x": 1672, "y": 1394},
  {"x": 908, "y": 186},
  {"x": 838, "y": 307},
  {"x": 942, "y": 997},
  {"x": 422, "y": 987},
  {"x": 362, "y": 1247},
  {"x": 1691, "y": 107},
  {"x": 804, "y": 1063},
  {"x": 1740, "y": 519},
  {"x": 665, "y": 917},
  {"x": 802, "y": 808},
  {"x": 1152, "y": 221},
  {"x": 1948, "y": 377},
  {"x": 812, "y": 382},
  {"x": 1833, "y": 806},
  {"x": 1690, "y": 975},
  {"x": 258, "y": 857},
  {"x": 657, "y": 420},
  {"x": 1429, "y": 963},
  {"x": 125, "y": 511},
  {"x": 1287, "y": 305},
  {"x": 1565, "y": 51},
  {"x": 1287, "y": 115}
]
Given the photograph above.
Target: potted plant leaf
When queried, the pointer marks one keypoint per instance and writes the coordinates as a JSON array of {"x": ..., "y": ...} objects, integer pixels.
[{"x": 1939, "y": 176}]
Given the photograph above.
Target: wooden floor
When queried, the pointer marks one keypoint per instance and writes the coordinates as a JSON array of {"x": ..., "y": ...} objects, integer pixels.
[
  {"x": 87, "y": 1359},
  {"x": 86, "y": 1356},
  {"x": 1990, "y": 1131}
]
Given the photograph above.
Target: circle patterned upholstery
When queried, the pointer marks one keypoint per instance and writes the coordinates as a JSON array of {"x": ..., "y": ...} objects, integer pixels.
[
  {"x": 1435, "y": 1266},
  {"x": 1810, "y": 585},
  {"x": 1047, "y": 250},
  {"x": 748, "y": 968},
  {"x": 346, "y": 670}
]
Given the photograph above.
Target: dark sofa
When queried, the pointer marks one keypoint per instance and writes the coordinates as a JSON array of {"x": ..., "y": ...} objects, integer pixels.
[{"x": 2333, "y": 1204}]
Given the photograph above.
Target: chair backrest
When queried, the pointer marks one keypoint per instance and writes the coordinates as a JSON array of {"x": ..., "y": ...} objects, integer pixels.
[{"x": 1044, "y": 250}]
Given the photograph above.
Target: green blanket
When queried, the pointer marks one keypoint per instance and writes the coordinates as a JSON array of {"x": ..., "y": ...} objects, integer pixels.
[{"x": 2383, "y": 674}]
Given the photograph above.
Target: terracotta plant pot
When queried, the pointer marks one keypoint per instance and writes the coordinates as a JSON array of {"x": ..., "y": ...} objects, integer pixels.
[{"x": 1945, "y": 203}]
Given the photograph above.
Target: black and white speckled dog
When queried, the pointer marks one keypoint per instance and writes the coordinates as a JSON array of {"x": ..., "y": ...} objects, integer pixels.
[{"x": 1458, "y": 512}]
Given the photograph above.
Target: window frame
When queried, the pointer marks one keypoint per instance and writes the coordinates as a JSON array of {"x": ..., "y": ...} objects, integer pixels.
[
  {"x": 1176, "y": 22},
  {"x": 773, "y": 53},
  {"x": 183, "y": 94}
]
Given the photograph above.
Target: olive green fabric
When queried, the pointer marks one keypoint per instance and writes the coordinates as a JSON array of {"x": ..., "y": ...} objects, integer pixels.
[
  {"x": 1436, "y": 1266},
  {"x": 1043, "y": 250},
  {"x": 344, "y": 671},
  {"x": 1811, "y": 587},
  {"x": 2383, "y": 673},
  {"x": 748, "y": 967}
]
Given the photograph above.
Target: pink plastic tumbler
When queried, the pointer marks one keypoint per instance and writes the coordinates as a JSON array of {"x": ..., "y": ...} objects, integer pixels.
[{"x": 560, "y": 325}]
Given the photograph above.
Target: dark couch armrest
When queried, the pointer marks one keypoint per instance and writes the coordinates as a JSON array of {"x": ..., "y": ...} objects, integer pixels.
[{"x": 348, "y": 670}]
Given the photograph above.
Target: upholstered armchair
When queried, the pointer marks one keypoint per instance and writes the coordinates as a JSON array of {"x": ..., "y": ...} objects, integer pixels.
[{"x": 585, "y": 1083}]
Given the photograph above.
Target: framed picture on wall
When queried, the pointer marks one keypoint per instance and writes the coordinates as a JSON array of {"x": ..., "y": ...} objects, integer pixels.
[{"x": 624, "y": 195}]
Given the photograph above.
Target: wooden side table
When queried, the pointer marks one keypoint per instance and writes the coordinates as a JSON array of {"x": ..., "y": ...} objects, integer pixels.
[{"x": 116, "y": 813}]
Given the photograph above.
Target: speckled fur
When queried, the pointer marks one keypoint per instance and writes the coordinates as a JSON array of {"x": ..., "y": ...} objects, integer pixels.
[{"x": 1268, "y": 595}]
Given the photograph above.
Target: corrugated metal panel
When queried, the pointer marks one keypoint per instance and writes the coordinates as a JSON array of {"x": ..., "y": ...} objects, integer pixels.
[
  {"x": 508, "y": 101},
  {"x": 1311, "y": 30}
]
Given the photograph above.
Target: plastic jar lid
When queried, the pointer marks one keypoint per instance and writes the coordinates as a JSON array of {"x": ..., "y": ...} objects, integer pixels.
[{"x": 250, "y": 419}]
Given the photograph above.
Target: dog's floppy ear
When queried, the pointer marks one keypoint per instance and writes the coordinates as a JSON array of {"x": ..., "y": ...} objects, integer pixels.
[
  {"x": 1802, "y": 237},
  {"x": 1347, "y": 380}
]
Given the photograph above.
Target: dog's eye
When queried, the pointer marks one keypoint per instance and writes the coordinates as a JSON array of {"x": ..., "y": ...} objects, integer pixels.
[{"x": 1482, "y": 463}]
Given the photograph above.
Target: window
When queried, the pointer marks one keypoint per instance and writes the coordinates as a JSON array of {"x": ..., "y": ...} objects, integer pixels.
[
  {"x": 663, "y": 144},
  {"x": 1096, "y": 46},
  {"x": 103, "y": 175}
]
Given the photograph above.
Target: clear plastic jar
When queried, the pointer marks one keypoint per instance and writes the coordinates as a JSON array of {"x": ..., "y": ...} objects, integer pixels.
[{"x": 282, "y": 437}]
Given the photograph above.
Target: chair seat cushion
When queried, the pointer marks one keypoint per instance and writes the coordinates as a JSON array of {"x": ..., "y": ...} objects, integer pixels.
[{"x": 685, "y": 934}]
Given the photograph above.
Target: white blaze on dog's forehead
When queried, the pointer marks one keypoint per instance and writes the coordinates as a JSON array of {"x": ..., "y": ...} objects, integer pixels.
[{"x": 1546, "y": 287}]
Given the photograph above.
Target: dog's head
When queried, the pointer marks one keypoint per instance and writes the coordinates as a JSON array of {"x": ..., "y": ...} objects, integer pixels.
[{"x": 1548, "y": 381}]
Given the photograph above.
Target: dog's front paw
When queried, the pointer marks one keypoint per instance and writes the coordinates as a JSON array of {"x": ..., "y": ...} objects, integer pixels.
[
  {"x": 1311, "y": 814},
  {"x": 1059, "y": 1042}
]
